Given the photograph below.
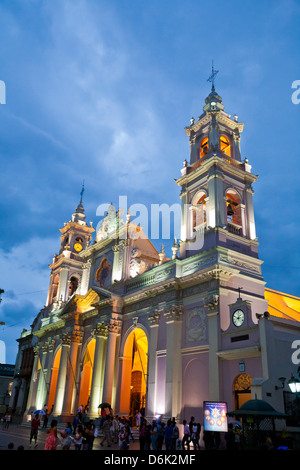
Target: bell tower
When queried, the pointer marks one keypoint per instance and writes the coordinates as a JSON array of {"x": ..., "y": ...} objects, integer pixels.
[
  {"x": 216, "y": 184},
  {"x": 66, "y": 268}
]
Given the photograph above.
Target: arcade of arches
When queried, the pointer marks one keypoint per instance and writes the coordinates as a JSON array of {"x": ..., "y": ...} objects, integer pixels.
[{"x": 134, "y": 363}]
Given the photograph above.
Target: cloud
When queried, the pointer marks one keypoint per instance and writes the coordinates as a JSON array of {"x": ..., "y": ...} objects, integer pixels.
[
  {"x": 25, "y": 280},
  {"x": 26, "y": 273}
]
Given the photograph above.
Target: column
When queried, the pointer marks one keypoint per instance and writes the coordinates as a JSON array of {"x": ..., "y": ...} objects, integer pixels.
[
  {"x": 50, "y": 290},
  {"x": 184, "y": 222},
  {"x": 84, "y": 283},
  {"x": 237, "y": 146},
  {"x": 212, "y": 304},
  {"x": 62, "y": 291},
  {"x": 41, "y": 388},
  {"x": 216, "y": 198},
  {"x": 48, "y": 369},
  {"x": 116, "y": 270},
  {"x": 113, "y": 331},
  {"x": 250, "y": 211},
  {"x": 100, "y": 333},
  {"x": 152, "y": 363},
  {"x": 173, "y": 390},
  {"x": 62, "y": 375},
  {"x": 243, "y": 219},
  {"x": 36, "y": 351},
  {"x": 76, "y": 338}
]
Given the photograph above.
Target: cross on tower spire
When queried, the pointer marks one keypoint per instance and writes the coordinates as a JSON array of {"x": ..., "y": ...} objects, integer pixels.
[
  {"x": 81, "y": 192},
  {"x": 212, "y": 76}
]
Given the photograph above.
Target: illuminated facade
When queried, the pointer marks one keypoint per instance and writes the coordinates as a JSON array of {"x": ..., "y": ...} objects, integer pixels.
[{"x": 126, "y": 325}]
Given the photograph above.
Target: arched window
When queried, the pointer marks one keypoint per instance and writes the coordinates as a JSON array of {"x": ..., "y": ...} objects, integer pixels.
[
  {"x": 225, "y": 145},
  {"x": 55, "y": 287},
  {"x": 103, "y": 272},
  {"x": 234, "y": 216},
  {"x": 204, "y": 147},
  {"x": 73, "y": 285},
  {"x": 199, "y": 210}
]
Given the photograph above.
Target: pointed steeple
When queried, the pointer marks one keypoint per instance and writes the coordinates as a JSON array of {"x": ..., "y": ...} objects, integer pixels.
[{"x": 79, "y": 215}]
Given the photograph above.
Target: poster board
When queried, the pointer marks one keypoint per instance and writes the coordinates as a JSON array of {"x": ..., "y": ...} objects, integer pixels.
[{"x": 215, "y": 416}]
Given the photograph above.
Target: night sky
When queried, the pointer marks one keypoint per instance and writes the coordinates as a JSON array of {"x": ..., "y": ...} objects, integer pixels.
[{"x": 101, "y": 92}]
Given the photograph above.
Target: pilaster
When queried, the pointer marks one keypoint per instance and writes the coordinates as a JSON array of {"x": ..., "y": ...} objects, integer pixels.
[
  {"x": 153, "y": 319},
  {"x": 114, "y": 329},
  {"x": 212, "y": 305},
  {"x": 75, "y": 340},
  {"x": 173, "y": 315}
]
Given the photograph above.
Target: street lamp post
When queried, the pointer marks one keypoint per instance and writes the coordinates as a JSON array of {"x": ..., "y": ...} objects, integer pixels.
[{"x": 294, "y": 384}]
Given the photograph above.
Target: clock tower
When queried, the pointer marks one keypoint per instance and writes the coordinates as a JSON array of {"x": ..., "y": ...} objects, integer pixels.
[{"x": 66, "y": 268}]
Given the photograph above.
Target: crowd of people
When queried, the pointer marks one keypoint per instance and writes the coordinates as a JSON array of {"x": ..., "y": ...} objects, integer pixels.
[
  {"x": 82, "y": 432},
  {"x": 117, "y": 431},
  {"x": 159, "y": 435}
]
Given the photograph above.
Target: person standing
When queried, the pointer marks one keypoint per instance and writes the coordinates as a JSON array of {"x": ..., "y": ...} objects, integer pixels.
[
  {"x": 51, "y": 441},
  {"x": 175, "y": 434},
  {"x": 138, "y": 417},
  {"x": 78, "y": 437},
  {"x": 186, "y": 435},
  {"x": 142, "y": 436},
  {"x": 75, "y": 422},
  {"x": 106, "y": 432},
  {"x": 35, "y": 423},
  {"x": 195, "y": 436},
  {"x": 92, "y": 434},
  {"x": 45, "y": 421},
  {"x": 148, "y": 437},
  {"x": 154, "y": 435},
  {"x": 230, "y": 438},
  {"x": 86, "y": 437},
  {"x": 115, "y": 424},
  {"x": 66, "y": 437},
  {"x": 168, "y": 435},
  {"x": 7, "y": 421}
]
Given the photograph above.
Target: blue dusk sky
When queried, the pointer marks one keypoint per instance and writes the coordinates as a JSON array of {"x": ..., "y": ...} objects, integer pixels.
[{"x": 101, "y": 91}]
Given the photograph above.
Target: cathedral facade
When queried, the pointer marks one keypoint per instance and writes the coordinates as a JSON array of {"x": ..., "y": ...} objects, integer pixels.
[{"x": 126, "y": 325}]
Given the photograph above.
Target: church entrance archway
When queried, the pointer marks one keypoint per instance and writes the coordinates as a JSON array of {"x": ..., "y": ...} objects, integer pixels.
[
  {"x": 134, "y": 373},
  {"x": 241, "y": 390}
]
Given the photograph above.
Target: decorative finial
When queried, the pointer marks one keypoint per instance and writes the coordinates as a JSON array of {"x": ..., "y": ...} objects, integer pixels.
[
  {"x": 81, "y": 192},
  {"x": 239, "y": 289},
  {"x": 212, "y": 76}
]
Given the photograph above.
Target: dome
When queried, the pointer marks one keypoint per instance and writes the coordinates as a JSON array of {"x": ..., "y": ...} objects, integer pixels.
[
  {"x": 257, "y": 405},
  {"x": 258, "y": 408}
]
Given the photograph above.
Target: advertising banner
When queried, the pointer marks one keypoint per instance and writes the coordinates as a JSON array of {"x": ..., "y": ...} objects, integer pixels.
[{"x": 215, "y": 418}]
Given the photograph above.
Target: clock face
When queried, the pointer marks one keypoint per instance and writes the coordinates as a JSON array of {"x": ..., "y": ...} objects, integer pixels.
[
  {"x": 78, "y": 247},
  {"x": 238, "y": 317}
]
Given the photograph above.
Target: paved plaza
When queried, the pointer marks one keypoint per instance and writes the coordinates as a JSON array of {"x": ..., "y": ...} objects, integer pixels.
[{"x": 19, "y": 436}]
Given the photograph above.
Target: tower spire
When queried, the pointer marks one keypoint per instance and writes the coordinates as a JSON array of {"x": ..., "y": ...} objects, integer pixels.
[{"x": 212, "y": 76}]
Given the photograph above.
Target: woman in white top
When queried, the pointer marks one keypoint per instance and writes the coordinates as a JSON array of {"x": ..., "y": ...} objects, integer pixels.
[{"x": 78, "y": 437}]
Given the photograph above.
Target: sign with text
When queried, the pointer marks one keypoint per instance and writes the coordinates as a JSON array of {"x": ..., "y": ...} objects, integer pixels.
[{"x": 215, "y": 416}]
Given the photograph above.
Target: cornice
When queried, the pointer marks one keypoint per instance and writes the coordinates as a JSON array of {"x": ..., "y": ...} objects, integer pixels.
[
  {"x": 75, "y": 227},
  {"x": 222, "y": 164},
  {"x": 61, "y": 260},
  {"x": 203, "y": 121},
  {"x": 239, "y": 353}
]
